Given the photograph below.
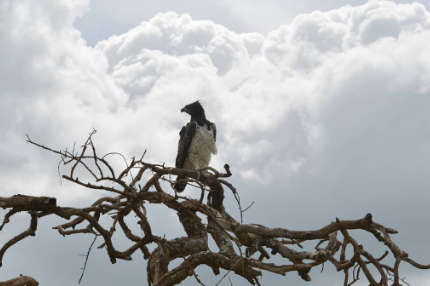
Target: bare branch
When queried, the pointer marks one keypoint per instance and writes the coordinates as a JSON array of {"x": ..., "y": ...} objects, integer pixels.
[
  {"x": 87, "y": 255},
  {"x": 125, "y": 203},
  {"x": 20, "y": 281}
]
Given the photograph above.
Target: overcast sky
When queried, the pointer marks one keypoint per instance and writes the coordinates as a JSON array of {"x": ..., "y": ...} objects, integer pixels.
[{"x": 322, "y": 111}]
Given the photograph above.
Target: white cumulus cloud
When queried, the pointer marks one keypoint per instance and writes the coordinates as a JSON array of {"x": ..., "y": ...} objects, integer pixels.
[{"x": 329, "y": 109}]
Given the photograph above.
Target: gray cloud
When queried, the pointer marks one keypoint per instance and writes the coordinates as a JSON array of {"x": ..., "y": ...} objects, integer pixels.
[
  {"x": 111, "y": 17},
  {"x": 324, "y": 117}
]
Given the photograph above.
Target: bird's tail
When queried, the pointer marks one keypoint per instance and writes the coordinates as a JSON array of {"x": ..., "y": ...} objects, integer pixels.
[{"x": 180, "y": 184}]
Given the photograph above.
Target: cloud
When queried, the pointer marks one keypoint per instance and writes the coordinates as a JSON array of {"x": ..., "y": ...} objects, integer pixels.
[
  {"x": 50, "y": 84},
  {"x": 324, "y": 117},
  {"x": 178, "y": 35},
  {"x": 312, "y": 38}
]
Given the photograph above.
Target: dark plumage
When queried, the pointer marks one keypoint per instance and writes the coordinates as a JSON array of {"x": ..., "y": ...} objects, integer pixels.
[{"x": 196, "y": 142}]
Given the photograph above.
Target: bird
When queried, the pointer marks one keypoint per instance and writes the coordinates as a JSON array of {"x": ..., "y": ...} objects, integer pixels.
[{"x": 197, "y": 143}]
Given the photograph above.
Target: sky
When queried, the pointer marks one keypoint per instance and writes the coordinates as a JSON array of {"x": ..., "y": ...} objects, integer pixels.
[{"x": 321, "y": 109}]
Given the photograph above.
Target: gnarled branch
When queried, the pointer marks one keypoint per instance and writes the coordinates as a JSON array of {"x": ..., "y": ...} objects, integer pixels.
[{"x": 243, "y": 249}]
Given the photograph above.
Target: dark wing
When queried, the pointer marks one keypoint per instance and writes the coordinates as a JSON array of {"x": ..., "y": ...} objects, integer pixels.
[
  {"x": 185, "y": 137},
  {"x": 213, "y": 128}
]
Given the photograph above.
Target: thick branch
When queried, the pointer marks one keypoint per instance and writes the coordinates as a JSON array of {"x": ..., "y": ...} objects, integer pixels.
[
  {"x": 139, "y": 184},
  {"x": 20, "y": 281}
]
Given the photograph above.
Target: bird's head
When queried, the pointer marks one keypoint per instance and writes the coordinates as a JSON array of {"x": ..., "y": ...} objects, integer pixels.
[{"x": 194, "y": 109}]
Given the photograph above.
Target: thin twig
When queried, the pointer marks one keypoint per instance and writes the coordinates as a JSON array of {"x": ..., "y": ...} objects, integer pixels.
[{"x": 86, "y": 259}]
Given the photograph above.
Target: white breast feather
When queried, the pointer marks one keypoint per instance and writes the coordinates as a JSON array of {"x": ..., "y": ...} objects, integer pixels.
[{"x": 201, "y": 148}]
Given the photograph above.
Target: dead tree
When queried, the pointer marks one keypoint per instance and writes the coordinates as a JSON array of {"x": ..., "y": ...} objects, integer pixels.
[{"x": 243, "y": 249}]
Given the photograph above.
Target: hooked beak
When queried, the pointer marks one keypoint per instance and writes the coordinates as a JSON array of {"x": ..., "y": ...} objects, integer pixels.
[{"x": 184, "y": 109}]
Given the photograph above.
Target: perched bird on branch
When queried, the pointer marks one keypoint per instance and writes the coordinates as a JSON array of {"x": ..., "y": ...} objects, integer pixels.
[{"x": 197, "y": 142}]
